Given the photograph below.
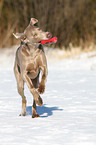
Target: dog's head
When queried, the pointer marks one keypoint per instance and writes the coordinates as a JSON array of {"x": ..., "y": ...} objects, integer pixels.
[{"x": 32, "y": 33}]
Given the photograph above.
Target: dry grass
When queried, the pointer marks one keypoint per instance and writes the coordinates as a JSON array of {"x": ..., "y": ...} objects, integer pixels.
[{"x": 57, "y": 53}]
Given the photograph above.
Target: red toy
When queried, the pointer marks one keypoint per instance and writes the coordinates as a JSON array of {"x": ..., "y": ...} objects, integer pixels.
[{"x": 54, "y": 39}]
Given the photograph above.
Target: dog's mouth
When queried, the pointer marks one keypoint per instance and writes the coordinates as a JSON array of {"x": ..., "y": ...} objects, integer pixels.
[{"x": 49, "y": 41}]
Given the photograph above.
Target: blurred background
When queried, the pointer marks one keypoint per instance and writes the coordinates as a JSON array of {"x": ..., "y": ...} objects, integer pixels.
[{"x": 72, "y": 21}]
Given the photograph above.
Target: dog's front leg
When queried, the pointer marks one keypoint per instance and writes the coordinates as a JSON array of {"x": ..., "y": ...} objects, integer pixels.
[
  {"x": 35, "y": 94},
  {"x": 41, "y": 87},
  {"x": 20, "y": 87}
]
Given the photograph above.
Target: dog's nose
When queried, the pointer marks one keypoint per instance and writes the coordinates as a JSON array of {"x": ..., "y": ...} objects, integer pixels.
[{"x": 48, "y": 34}]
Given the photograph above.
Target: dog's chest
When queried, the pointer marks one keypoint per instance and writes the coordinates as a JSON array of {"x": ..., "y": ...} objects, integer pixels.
[
  {"x": 32, "y": 69},
  {"x": 32, "y": 66}
]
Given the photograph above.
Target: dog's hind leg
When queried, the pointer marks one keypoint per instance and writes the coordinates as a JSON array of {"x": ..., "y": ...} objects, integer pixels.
[
  {"x": 20, "y": 87},
  {"x": 34, "y": 113},
  {"x": 35, "y": 84}
]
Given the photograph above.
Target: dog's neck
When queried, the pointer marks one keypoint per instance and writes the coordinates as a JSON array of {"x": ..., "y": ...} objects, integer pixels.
[
  {"x": 37, "y": 45},
  {"x": 29, "y": 43}
]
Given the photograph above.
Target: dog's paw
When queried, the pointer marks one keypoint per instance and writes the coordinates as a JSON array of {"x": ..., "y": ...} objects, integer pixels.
[
  {"x": 35, "y": 115},
  {"x": 41, "y": 88},
  {"x": 23, "y": 114}
]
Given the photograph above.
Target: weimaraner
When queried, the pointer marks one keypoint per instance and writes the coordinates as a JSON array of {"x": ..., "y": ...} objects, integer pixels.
[{"x": 30, "y": 61}]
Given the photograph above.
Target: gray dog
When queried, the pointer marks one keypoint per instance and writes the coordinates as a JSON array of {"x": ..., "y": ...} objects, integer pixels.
[{"x": 30, "y": 61}]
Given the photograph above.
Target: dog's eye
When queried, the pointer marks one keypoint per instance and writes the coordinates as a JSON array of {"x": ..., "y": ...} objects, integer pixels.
[
  {"x": 35, "y": 35},
  {"x": 24, "y": 38}
]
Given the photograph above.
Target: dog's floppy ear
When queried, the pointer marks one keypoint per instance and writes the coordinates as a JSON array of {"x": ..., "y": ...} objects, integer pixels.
[
  {"x": 19, "y": 35},
  {"x": 33, "y": 21}
]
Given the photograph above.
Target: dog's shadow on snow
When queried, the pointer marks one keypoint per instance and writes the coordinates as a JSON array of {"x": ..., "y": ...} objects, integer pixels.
[{"x": 43, "y": 111}]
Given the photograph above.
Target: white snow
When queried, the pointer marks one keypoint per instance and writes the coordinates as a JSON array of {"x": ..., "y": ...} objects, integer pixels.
[{"x": 68, "y": 116}]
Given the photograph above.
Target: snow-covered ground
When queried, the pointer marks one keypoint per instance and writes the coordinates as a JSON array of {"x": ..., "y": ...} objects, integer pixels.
[{"x": 68, "y": 116}]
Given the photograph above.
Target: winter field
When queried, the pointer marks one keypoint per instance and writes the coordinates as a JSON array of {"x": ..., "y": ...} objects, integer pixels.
[{"x": 68, "y": 116}]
